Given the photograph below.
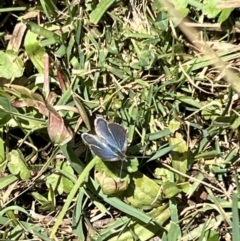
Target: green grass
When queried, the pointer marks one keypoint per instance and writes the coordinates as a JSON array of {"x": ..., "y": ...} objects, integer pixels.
[{"x": 131, "y": 63}]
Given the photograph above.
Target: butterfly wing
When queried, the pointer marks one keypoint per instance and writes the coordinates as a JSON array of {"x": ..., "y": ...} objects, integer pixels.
[
  {"x": 119, "y": 135},
  {"x": 113, "y": 133},
  {"x": 100, "y": 147},
  {"x": 102, "y": 130}
]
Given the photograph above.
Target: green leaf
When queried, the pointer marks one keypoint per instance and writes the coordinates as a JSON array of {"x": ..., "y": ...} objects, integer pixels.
[
  {"x": 39, "y": 197},
  {"x": 55, "y": 182},
  {"x": 146, "y": 58},
  {"x": 6, "y": 110},
  {"x": 170, "y": 189},
  {"x": 235, "y": 218},
  {"x": 101, "y": 8},
  {"x": 11, "y": 66},
  {"x": 16, "y": 164},
  {"x": 34, "y": 50},
  {"x": 162, "y": 152},
  {"x": 174, "y": 233},
  {"x": 174, "y": 125},
  {"x": 209, "y": 8},
  {"x": 68, "y": 171},
  {"x": 42, "y": 31},
  {"x": 160, "y": 134},
  {"x": 140, "y": 195},
  {"x": 60, "y": 182},
  {"x": 4, "y": 117},
  {"x": 45, "y": 203},
  {"x": 162, "y": 20},
  {"x": 6, "y": 105},
  {"x": 7, "y": 180},
  {"x": 179, "y": 156},
  {"x": 225, "y": 14},
  {"x": 2, "y": 153},
  {"x": 212, "y": 111},
  {"x": 49, "y": 8},
  {"x": 189, "y": 101},
  {"x": 236, "y": 123},
  {"x": 146, "y": 232},
  {"x": 181, "y": 6}
]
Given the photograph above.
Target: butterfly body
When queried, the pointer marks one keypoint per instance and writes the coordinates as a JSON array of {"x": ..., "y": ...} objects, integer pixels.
[{"x": 110, "y": 141}]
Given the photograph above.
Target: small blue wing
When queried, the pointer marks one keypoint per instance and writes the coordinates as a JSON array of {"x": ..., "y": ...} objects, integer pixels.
[
  {"x": 113, "y": 133},
  {"x": 100, "y": 147},
  {"x": 102, "y": 130},
  {"x": 119, "y": 135}
]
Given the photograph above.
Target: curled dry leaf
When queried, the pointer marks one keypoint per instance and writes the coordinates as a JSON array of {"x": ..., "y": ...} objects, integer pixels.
[{"x": 58, "y": 132}]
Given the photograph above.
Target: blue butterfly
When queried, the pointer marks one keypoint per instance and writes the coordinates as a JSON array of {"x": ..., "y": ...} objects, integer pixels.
[{"x": 110, "y": 141}]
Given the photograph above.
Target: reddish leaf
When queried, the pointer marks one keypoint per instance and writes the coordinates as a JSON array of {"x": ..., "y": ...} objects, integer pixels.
[{"x": 58, "y": 132}]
